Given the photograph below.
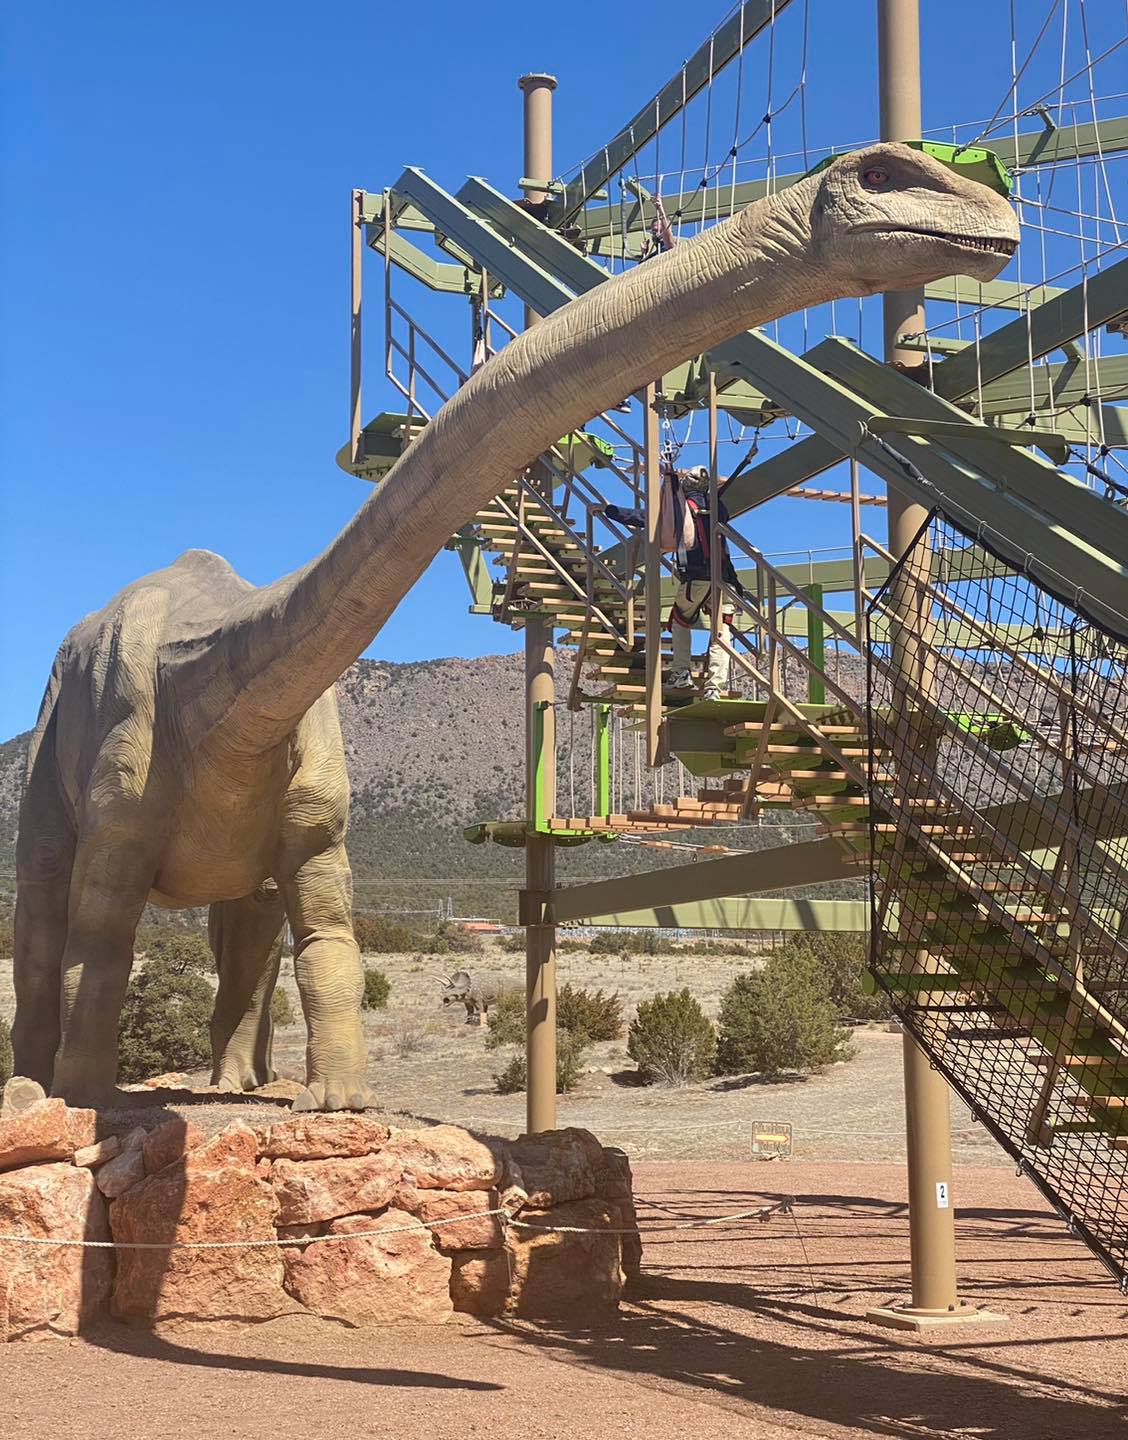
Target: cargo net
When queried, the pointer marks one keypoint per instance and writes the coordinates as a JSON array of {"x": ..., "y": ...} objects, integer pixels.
[{"x": 998, "y": 734}]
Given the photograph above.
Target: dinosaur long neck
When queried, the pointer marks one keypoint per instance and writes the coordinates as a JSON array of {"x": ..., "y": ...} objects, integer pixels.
[{"x": 291, "y": 640}]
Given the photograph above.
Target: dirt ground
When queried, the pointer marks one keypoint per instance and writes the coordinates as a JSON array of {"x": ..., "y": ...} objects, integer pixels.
[
  {"x": 427, "y": 1064},
  {"x": 756, "y": 1331}
]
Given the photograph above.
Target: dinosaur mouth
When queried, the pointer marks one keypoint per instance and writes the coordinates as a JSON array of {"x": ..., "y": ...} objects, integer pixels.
[{"x": 986, "y": 244}]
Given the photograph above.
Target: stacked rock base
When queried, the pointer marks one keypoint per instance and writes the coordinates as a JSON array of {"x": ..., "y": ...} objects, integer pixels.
[{"x": 324, "y": 1184}]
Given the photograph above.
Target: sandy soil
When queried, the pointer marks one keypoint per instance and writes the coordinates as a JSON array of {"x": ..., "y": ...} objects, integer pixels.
[{"x": 753, "y": 1331}]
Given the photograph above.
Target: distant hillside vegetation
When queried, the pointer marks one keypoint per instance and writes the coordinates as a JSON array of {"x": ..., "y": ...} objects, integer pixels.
[{"x": 433, "y": 746}]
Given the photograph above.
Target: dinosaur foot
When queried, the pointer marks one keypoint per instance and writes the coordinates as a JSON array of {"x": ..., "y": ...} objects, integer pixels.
[
  {"x": 339, "y": 1092},
  {"x": 236, "y": 1079}
]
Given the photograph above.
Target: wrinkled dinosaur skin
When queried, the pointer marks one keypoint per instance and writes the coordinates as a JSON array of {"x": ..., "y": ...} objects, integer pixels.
[{"x": 188, "y": 749}]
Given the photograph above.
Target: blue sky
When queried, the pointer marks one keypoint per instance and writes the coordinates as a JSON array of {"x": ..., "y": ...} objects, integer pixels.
[{"x": 175, "y": 185}]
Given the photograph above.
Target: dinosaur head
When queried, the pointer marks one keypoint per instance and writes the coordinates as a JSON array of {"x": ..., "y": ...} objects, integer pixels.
[{"x": 891, "y": 218}]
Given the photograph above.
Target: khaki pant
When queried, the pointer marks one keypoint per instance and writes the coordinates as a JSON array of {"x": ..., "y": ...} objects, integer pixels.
[{"x": 690, "y": 602}]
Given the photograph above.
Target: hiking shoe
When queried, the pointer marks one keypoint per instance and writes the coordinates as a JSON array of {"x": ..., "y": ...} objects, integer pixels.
[
  {"x": 680, "y": 680},
  {"x": 711, "y": 692}
]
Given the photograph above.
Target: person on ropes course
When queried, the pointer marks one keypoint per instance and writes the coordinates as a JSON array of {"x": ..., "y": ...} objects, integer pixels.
[{"x": 684, "y": 531}]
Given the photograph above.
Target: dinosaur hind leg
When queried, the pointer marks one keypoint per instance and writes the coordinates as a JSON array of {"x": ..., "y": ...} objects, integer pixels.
[
  {"x": 331, "y": 982},
  {"x": 246, "y": 939}
]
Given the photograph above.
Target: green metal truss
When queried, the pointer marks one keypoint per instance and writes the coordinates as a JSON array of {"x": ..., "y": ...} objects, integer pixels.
[
  {"x": 711, "y": 57},
  {"x": 1034, "y": 147}
]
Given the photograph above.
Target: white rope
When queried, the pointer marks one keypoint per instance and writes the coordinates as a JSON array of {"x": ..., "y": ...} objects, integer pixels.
[
  {"x": 246, "y": 1244},
  {"x": 278, "y": 1242}
]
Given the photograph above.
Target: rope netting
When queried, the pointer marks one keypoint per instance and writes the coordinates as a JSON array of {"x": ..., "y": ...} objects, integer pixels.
[{"x": 998, "y": 720}]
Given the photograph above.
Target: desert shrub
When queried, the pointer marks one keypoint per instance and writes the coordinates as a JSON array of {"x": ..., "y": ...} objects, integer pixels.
[
  {"x": 514, "y": 944},
  {"x": 841, "y": 957},
  {"x": 569, "y": 1067},
  {"x": 629, "y": 942},
  {"x": 281, "y": 1010},
  {"x": 164, "y": 1022},
  {"x": 377, "y": 935},
  {"x": 6, "y": 1060},
  {"x": 7, "y": 935},
  {"x": 589, "y": 1015},
  {"x": 377, "y": 988},
  {"x": 409, "y": 1039},
  {"x": 460, "y": 940},
  {"x": 670, "y": 1039},
  {"x": 780, "y": 1018},
  {"x": 184, "y": 952},
  {"x": 505, "y": 1020}
]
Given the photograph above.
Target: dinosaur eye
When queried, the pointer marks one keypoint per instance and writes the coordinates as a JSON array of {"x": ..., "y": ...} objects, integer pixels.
[{"x": 875, "y": 176}]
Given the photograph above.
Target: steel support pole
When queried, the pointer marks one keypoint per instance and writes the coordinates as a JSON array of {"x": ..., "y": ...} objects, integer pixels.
[
  {"x": 653, "y": 576},
  {"x": 356, "y": 253},
  {"x": 540, "y": 731},
  {"x": 927, "y": 1105}
]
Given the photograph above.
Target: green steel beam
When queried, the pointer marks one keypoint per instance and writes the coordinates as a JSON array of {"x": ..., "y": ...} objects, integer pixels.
[
  {"x": 476, "y": 569},
  {"x": 1034, "y": 147},
  {"x": 1048, "y": 327},
  {"x": 712, "y": 56},
  {"x": 1062, "y": 143},
  {"x": 533, "y": 284},
  {"x": 783, "y": 866},
  {"x": 736, "y": 913},
  {"x": 816, "y": 646},
  {"x": 1064, "y": 501},
  {"x": 1071, "y": 382},
  {"x": 1030, "y": 537},
  {"x": 1001, "y": 294}
]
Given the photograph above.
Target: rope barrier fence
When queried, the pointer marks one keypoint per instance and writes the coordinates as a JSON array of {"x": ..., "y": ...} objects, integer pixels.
[{"x": 759, "y": 1214}]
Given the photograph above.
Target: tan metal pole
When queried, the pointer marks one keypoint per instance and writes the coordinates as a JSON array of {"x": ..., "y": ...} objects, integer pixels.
[
  {"x": 540, "y": 716},
  {"x": 653, "y": 576},
  {"x": 927, "y": 1109},
  {"x": 356, "y": 254}
]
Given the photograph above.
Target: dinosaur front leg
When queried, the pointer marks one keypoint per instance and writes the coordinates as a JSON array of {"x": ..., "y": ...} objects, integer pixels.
[
  {"x": 44, "y": 857},
  {"x": 330, "y": 981},
  {"x": 110, "y": 884},
  {"x": 246, "y": 939}
]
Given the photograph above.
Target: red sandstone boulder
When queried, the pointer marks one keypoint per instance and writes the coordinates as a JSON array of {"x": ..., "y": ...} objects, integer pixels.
[
  {"x": 543, "y": 1273},
  {"x": 558, "y": 1166},
  {"x": 121, "y": 1173},
  {"x": 312, "y": 1190},
  {"x": 445, "y": 1158},
  {"x": 211, "y": 1194},
  {"x": 91, "y": 1156},
  {"x": 614, "y": 1184},
  {"x": 389, "y": 1278},
  {"x": 482, "y": 1232},
  {"x": 321, "y": 1137},
  {"x": 170, "y": 1142},
  {"x": 45, "y": 1289},
  {"x": 47, "y": 1130}
]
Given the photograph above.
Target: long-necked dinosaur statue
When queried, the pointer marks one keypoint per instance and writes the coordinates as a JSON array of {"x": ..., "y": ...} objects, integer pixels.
[{"x": 188, "y": 749}]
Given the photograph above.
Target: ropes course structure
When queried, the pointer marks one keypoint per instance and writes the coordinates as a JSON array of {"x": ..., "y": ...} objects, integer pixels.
[{"x": 865, "y": 679}]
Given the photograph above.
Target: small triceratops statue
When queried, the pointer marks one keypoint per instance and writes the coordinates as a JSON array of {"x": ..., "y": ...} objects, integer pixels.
[{"x": 476, "y": 992}]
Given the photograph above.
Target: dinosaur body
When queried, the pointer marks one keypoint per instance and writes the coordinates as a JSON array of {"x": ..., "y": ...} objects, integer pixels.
[
  {"x": 187, "y": 748},
  {"x": 477, "y": 991}
]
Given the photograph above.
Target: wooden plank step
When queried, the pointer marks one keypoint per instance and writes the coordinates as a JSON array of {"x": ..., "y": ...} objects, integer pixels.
[
  {"x": 848, "y": 752},
  {"x": 1087, "y": 1062},
  {"x": 783, "y": 727},
  {"x": 912, "y": 981}
]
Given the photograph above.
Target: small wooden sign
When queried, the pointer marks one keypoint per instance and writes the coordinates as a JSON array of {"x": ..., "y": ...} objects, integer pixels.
[{"x": 771, "y": 1140}]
